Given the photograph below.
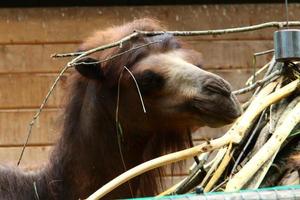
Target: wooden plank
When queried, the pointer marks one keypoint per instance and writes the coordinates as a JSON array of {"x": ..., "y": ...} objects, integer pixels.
[
  {"x": 23, "y": 90},
  {"x": 232, "y": 54},
  {"x": 216, "y": 55},
  {"x": 33, "y": 25},
  {"x": 33, "y": 157},
  {"x": 14, "y": 127},
  {"x": 33, "y": 58}
]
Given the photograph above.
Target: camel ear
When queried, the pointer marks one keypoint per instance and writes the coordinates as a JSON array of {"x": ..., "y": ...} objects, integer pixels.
[{"x": 92, "y": 70}]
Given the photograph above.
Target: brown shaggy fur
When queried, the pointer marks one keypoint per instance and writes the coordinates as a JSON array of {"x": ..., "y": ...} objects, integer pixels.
[{"x": 87, "y": 155}]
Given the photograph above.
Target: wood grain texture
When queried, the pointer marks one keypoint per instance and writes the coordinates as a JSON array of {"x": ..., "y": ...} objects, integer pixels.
[
  {"x": 216, "y": 55},
  {"x": 34, "y": 157},
  {"x": 46, "y": 25},
  {"x": 29, "y": 90},
  {"x": 232, "y": 54},
  {"x": 33, "y": 58},
  {"x": 14, "y": 127}
]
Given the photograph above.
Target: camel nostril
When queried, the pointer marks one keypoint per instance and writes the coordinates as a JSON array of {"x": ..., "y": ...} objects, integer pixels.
[{"x": 218, "y": 86}]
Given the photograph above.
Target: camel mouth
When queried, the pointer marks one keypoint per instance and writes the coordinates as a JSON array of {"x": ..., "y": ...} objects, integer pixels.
[{"x": 214, "y": 115}]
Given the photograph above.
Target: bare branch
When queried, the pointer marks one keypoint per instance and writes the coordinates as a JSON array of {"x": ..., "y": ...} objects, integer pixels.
[
  {"x": 36, "y": 116},
  {"x": 264, "y": 52},
  {"x": 107, "y": 46},
  {"x": 116, "y": 55},
  {"x": 222, "y": 31},
  {"x": 178, "y": 33},
  {"x": 258, "y": 83},
  {"x": 62, "y": 55}
]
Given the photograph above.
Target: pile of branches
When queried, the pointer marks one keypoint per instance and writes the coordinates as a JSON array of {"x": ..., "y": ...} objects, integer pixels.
[{"x": 268, "y": 153}]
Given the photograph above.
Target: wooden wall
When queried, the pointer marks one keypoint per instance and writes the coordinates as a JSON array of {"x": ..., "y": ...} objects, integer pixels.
[{"x": 29, "y": 36}]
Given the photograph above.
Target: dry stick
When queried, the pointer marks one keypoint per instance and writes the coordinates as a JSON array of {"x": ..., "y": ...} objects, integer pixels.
[
  {"x": 158, "y": 162},
  {"x": 260, "y": 175},
  {"x": 264, "y": 52},
  {"x": 216, "y": 162},
  {"x": 192, "y": 180},
  {"x": 222, "y": 31},
  {"x": 116, "y": 55},
  {"x": 177, "y": 33},
  {"x": 220, "y": 169},
  {"x": 220, "y": 185},
  {"x": 264, "y": 133},
  {"x": 40, "y": 110},
  {"x": 269, "y": 70},
  {"x": 172, "y": 189},
  {"x": 63, "y": 55},
  {"x": 119, "y": 129},
  {"x": 242, "y": 124},
  {"x": 249, "y": 81},
  {"x": 273, "y": 119},
  {"x": 247, "y": 144},
  {"x": 257, "y": 83},
  {"x": 273, "y": 143},
  {"x": 254, "y": 60},
  {"x": 107, "y": 46}
]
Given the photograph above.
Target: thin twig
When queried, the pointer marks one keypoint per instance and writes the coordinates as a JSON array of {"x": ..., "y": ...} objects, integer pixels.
[
  {"x": 257, "y": 83},
  {"x": 250, "y": 80},
  {"x": 179, "y": 33},
  {"x": 138, "y": 89},
  {"x": 192, "y": 180},
  {"x": 63, "y": 55},
  {"x": 119, "y": 130},
  {"x": 264, "y": 52},
  {"x": 116, "y": 55},
  {"x": 107, "y": 46},
  {"x": 254, "y": 61},
  {"x": 222, "y": 31},
  {"x": 218, "y": 158},
  {"x": 35, "y": 117},
  {"x": 258, "y": 125},
  {"x": 221, "y": 168},
  {"x": 35, "y": 191},
  {"x": 220, "y": 185}
]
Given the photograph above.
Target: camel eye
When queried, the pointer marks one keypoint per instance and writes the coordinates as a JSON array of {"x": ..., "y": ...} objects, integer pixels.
[{"x": 150, "y": 81}]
